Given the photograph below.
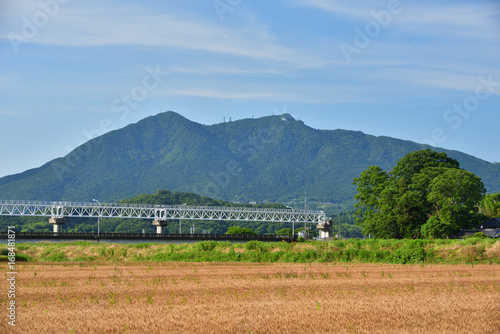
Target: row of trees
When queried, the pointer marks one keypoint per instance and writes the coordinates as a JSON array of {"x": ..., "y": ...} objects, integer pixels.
[
  {"x": 115, "y": 225},
  {"x": 426, "y": 194}
]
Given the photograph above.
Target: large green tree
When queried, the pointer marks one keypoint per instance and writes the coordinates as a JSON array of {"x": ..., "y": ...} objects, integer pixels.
[
  {"x": 490, "y": 205},
  {"x": 425, "y": 188},
  {"x": 454, "y": 195}
]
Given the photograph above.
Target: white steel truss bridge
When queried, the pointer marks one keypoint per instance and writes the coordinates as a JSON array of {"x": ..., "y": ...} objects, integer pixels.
[{"x": 59, "y": 210}]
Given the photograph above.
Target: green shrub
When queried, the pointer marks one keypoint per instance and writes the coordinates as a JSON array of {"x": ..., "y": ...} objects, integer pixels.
[
  {"x": 416, "y": 243},
  {"x": 340, "y": 244},
  {"x": 368, "y": 251},
  {"x": 379, "y": 255},
  {"x": 373, "y": 244},
  {"x": 19, "y": 258},
  {"x": 255, "y": 245},
  {"x": 22, "y": 258},
  {"x": 84, "y": 243},
  {"x": 22, "y": 247},
  {"x": 56, "y": 257},
  {"x": 480, "y": 235},
  {"x": 142, "y": 246},
  {"x": 239, "y": 230},
  {"x": 206, "y": 246},
  {"x": 4, "y": 253},
  {"x": 406, "y": 255},
  {"x": 284, "y": 231}
]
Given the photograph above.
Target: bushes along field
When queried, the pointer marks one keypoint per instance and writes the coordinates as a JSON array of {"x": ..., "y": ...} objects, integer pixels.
[{"x": 474, "y": 250}]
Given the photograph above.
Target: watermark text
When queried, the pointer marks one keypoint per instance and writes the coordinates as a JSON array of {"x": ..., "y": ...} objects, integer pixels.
[
  {"x": 31, "y": 26},
  {"x": 455, "y": 115},
  {"x": 224, "y": 6},
  {"x": 11, "y": 276}
]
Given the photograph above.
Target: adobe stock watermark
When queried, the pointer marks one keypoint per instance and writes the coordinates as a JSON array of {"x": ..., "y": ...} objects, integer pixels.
[
  {"x": 372, "y": 29},
  {"x": 224, "y": 6},
  {"x": 11, "y": 276},
  {"x": 122, "y": 107},
  {"x": 249, "y": 150},
  {"x": 456, "y": 115},
  {"x": 31, "y": 26}
]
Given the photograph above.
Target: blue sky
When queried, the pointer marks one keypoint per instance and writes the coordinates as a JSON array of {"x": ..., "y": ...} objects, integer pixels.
[{"x": 424, "y": 71}]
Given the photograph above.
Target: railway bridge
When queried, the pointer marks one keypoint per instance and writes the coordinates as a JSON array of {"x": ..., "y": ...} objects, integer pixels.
[{"x": 57, "y": 212}]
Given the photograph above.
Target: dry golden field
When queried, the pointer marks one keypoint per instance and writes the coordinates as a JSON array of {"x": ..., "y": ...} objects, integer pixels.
[{"x": 254, "y": 298}]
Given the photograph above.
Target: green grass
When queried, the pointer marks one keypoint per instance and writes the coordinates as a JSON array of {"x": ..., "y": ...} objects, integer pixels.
[{"x": 469, "y": 251}]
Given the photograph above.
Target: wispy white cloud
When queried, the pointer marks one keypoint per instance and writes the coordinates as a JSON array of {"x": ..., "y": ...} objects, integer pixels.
[
  {"x": 13, "y": 113},
  {"x": 344, "y": 7},
  {"x": 86, "y": 25},
  {"x": 476, "y": 16},
  {"x": 443, "y": 54},
  {"x": 18, "y": 9},
  {"x": 298, "y": 93},
  {"x": 439, "y": 79},
  {"x": 220, "y": 94},
  {"x": 435, "y": 17},
  {"x": 199, "y": 69},
  {"x": 441, "y": 40},
  {"x": 470, "y": 23}
]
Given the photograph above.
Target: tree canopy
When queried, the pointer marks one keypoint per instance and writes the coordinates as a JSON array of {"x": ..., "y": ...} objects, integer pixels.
[
  {"x": 425, "y": 195},
  {"x": 490, "y": 205},
  {"x": 239, "y": 230},
  {"x": 285, "y": 231}
]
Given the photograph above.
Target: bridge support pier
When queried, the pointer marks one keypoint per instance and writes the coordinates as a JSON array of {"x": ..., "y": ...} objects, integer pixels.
[
  {"x": 57, "y": 224},
  {"x": 160, "y": 225},
  {"x": 325, "y": 229}
]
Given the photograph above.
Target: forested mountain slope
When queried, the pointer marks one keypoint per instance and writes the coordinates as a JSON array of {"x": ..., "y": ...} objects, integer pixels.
[{"x": 275, "y": 158}]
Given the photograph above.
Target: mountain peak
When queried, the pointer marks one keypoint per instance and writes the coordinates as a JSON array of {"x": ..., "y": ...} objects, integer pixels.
[
  {"x": 287, "y": 117},
  {"x": 168, "y": 120},
  {"x": 169, "y": 115},
  {"x": 272, "y": 158}
]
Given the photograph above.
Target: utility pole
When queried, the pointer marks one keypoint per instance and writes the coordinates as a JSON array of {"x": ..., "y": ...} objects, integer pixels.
[
  {"x": 305, "y": 208},
  {"x": 339, "y": 226},
  {"x": 305, "y": 199}
]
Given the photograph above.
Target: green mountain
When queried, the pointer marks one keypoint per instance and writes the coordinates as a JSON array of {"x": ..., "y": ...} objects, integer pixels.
[{"x": 273, "y": 159}]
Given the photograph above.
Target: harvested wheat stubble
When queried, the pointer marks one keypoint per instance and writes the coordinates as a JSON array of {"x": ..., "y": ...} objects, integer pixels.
[{"x": 255, "y": 298}]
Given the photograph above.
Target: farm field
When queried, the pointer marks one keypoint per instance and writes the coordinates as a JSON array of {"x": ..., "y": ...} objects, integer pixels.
[{"x": 179, "y": 297}]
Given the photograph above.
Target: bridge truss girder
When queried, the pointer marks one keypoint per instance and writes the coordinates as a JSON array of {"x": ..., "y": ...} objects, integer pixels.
[{"x": 162, "y": 212}]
